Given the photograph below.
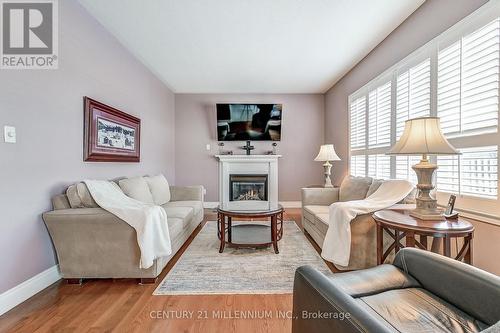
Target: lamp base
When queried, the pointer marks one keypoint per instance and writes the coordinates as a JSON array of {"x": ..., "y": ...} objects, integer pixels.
[
  {"x": 426, "y": 205},
  {"x": 426, "y": 214},
  {"x": 328, "y": 169}
]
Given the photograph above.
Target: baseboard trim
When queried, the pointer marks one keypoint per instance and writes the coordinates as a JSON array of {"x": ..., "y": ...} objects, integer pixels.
[
  {"x": 285, "y": 204},
  {"x": 15, "y": 296}
]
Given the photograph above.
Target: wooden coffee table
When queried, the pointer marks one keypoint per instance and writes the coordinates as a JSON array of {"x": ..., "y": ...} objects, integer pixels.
[
  {"x": 248, "y": 233},
  {"x": 398, "y": 224}
]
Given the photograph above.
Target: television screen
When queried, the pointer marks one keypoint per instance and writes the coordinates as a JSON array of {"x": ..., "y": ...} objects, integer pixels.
[{"x": 255, "y": 122}]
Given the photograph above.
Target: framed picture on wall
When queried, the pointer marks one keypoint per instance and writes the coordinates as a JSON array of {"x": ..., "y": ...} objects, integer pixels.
[{"x": 110, "y": 135}]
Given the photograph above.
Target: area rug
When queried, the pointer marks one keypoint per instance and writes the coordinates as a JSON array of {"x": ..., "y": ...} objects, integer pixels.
[{"x": 203, "y": 270}]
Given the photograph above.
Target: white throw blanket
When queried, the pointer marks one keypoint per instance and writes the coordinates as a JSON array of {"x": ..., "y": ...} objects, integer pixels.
[
  {"x": 149, "y": 221},
  {"x": 337, "y": 243}
]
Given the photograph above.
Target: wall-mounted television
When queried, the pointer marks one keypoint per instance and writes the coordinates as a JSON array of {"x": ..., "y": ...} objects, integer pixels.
[{"x": 255, "y": 122}]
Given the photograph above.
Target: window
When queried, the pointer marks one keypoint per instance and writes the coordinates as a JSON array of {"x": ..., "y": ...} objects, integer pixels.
[
  {"x": 403, "y": 168},
  {"x": 379, "y": 116},
  {"x": 467, "y": 103},
  {"x": 372, "y": 108},
  {"x": 472, "y": 173},
  {"x": 468, "y": 83},
  {"x": 456, "y": 77},
  {"x": 379, "y": 166},
  {"x": 413, "y": 96},
  {"x": 358, "y": 165},
  {"x": 358, "y": 123}
]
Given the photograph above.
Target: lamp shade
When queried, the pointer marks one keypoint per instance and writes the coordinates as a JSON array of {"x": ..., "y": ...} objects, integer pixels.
[
  {"x": 327, "y": 153},
  {"x": 423, "y": 136}
]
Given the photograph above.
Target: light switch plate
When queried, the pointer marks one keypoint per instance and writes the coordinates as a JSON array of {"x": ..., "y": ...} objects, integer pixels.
[
  {"x": 9, "y": 134},
  {"x": 208, "y": 146}
]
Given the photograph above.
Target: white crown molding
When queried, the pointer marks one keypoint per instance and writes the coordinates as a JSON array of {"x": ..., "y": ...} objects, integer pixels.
[{"x": 15, "y": 296}]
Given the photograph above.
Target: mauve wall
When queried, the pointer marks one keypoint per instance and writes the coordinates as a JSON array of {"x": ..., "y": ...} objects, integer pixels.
[
  {"x": 427, "y": 22},
  {"x": 47, "y": 108},
  {"x": 302, "y": 134}
]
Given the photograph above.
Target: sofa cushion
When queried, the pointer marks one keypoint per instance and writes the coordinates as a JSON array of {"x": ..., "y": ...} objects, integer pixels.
[
  {"x": 184, "y": 213},
  {"x": 137, "y": 188},
  {"x": 317, "y": 209},
  {"x": 374, "y": 186},
  {"x": 354, "y": 188},
  {"x": 175, "y": 227},
  {"x": 79, "y": 196},
  {"x": 418, "y": 310},
  {"x": 197, "y": 206},
  {"x": 160, "y": 189}
]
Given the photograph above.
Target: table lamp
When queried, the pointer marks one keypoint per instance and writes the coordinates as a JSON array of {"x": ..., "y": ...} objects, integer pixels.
[
  {"x": 326, "y": 154},
  {"x": 423, "y": 136}
]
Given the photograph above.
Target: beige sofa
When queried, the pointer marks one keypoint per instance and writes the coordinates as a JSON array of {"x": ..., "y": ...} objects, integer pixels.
[
  {"x": 93, "y": 243},
  {"x": 315, "y": 216}
]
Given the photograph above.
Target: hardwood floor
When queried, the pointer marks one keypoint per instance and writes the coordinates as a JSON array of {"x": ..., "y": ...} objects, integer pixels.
[{"x": 122, "y": 305}]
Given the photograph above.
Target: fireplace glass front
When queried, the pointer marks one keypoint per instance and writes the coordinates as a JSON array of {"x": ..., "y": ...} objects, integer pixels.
[{"x": 248, "y": 187}]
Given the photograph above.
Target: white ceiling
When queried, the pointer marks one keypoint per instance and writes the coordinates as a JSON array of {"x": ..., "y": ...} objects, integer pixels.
[{"x": 250, "y": 46}]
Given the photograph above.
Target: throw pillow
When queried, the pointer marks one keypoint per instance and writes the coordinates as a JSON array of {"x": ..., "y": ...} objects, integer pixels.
[
  {"x": 354, "y": 188},
  {"x": 160, "y": 189},
  {"x": 374, "y": 186},
  {"x": 137, "y": 189},
  {"x": 79, "y": 196}
]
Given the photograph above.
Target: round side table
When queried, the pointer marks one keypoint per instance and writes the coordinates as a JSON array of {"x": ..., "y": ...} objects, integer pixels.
[{"x": 398, "y": 224}]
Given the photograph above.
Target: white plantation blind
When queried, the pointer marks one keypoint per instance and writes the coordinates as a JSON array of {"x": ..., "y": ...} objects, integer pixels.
[
  {"x": 448, "y": 174},
  {"x": 413, "y": 94},
  {"x": 479, "y": 171},
  {"x": 358, "y": 165},
  {"x": 379, "y": 116},
  {"x": 468, "y": 83},
  {"x": 403, "y": 168},
  {"x": 358, "y": 123},
  {"x": 379, "y": 166},
  {"x": 474, "y": 173}
]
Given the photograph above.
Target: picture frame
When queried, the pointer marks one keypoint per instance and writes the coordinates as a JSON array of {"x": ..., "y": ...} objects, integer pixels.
[{"x": 110, "y": 135}]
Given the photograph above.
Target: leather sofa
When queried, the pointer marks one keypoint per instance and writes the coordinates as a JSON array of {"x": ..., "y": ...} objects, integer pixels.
[
  {"x": 93, "y": 243},
  {"x": 315, "y": 216},
  {"x": 420, "y": 292}
]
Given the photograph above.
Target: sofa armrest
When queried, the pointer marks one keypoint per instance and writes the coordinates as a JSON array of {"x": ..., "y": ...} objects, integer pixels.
[
  {"x": 320, "y": 196},
  {"x": 186, "y": 193},
  {"x": 91, "y": 242},
  {"x": 315, "y": 295},
  {"x": 470, "y": 289}
]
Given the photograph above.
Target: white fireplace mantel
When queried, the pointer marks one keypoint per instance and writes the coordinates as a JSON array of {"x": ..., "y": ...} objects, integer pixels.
[
  {"x": 248, "y": 158},
  {"x": 251, "y": 165}
]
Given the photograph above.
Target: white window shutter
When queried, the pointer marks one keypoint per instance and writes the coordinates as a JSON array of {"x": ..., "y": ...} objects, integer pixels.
[
  {"x": 358, "y": 165},
  {"x": 413, "y": 94},
  {"x": 358, "y": 123},
  {"x": 448, "y": 174},
  {"x": 404, "y": 168},
  {"x": 479, "y": 171},
  {"x": 379, "y": 166},
  {"x": 468, "y": 83},
  {"x": 379, "y": 116}
]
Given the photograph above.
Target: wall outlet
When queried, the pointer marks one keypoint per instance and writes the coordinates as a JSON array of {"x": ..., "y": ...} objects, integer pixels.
[
  {"x": 9, "y": 134},
  {"x": 208, "y": 147}
]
